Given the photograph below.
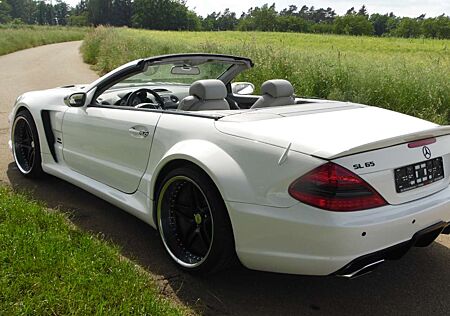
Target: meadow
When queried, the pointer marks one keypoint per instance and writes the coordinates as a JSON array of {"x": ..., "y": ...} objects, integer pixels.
[
  {"x": 406, "y": 75},
  {"x": 49, "y": 267},
  {"x": 17, "y": 37}
]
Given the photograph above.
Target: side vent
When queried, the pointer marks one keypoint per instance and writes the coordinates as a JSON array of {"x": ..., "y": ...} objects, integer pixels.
[{"x": 45, "y": 115}]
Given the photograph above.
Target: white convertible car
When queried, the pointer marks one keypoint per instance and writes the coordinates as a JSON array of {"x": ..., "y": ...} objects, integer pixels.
[{"x": 282, "y": 183}]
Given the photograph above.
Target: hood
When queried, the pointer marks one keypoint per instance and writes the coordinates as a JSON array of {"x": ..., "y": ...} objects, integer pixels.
[
  {"x": 328, "y": 129},
  {"x": 51, "y": 96}
]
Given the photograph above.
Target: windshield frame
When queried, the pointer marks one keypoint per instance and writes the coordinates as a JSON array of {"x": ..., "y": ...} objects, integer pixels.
[{"x": 102, "y": 84}]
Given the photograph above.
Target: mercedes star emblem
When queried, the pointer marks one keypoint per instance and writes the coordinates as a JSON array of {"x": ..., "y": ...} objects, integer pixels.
[{"x": 426, "y": 152}]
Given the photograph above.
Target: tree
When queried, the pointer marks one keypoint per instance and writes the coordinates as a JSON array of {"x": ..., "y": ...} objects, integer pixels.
[
  {"x": 408, "y": 28},
  {"x": 164, "y": 15},
  {"x": 78, "y": 16},
  {"x": 330, "y": 15},
  {"x": 61, "y": 11},
  {"x": 290, "y": 23},
  {"x": 227, "y": 21},
  {"x": 290, "y": 11},
  {"x": 5, "y": 11},
  {"x": 42, "y": 13},
  {"x": 363, "y": 11},
  {"x": 29, "y": 12},
  {"x": 353, "y": 25},
  {"x": 210, "y": 22},
  {"x": 121, "y": 11},
  {"x": 78, "y": 20},
  {"x": 351, "y": 11},
  {"x": 438, "y": 27},
  {"x": 303, "y": 13},
  {"x": 380, "y": 23},
  {"x": 260, "y": 19},
  {"x": 80, "y": 8},
  {"x": 99, "y": 12},
  {"x": 17, "y": 8}
]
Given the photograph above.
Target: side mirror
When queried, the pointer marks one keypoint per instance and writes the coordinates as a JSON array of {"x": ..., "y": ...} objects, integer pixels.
[
  {"x": 242, "y": 88},
  {"x": 76, "y": 100}
]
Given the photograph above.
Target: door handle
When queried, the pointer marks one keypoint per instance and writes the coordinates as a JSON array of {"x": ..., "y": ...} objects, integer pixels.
[{"x": 138, "y": 131}]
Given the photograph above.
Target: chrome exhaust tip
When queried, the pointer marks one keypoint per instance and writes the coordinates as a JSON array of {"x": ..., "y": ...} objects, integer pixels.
[{"x": 361, "y": 271}]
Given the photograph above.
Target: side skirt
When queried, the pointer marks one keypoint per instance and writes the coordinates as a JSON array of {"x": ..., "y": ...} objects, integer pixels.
[{"x": 138, "y": 204}]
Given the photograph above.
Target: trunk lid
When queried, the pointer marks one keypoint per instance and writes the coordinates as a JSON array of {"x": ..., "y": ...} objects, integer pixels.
[{"x": 328, "y": 130}]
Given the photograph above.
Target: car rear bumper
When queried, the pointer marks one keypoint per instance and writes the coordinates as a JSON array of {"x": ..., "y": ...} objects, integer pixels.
[
  {"x": 369, "y": 262},
  {"x": 305, "y": 240}
]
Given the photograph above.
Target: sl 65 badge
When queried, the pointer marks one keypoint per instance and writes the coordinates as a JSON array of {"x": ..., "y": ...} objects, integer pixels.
[{"x": 368, "y": 164}]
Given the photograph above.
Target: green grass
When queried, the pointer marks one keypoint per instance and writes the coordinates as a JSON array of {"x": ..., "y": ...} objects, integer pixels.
[
  {"x": 14, "y": 38},
  {"x": 407, "y": 75},
  {"x": 49, "y": 267}
]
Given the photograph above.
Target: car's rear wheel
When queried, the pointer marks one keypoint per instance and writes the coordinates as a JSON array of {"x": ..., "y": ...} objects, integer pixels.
[
  {"x": 26, "y": 146},
  {"x": 193, "y": 222}
]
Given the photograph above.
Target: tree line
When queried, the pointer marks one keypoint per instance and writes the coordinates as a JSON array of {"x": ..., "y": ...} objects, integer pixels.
[{"x": 175, "y": 15}]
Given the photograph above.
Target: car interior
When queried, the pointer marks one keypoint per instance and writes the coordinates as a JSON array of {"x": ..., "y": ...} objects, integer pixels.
[{"x": 190, "y": 87}]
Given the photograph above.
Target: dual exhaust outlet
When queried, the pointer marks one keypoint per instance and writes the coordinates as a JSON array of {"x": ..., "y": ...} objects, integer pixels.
[{"x": 366, "y": 264}]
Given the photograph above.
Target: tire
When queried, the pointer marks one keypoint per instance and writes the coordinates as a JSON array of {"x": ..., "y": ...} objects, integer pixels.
[
  {"x": 26, "y": 146},
  {"x": 193, "y": 222}
]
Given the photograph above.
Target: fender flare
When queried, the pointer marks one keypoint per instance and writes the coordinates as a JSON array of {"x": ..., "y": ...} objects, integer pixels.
[{"x": 224, "y": 171}]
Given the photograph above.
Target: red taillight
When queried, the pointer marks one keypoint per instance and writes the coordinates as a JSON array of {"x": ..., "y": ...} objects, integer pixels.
[{"x": 334, "y": 188}]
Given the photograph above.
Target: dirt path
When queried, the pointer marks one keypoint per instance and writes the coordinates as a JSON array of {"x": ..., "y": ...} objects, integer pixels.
[
  {"x": 37, "y": 68},
  {"x": 419, "y": 284}
]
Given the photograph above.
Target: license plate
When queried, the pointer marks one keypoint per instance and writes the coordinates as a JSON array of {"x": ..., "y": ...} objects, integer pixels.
[{"x": 419, "y": 174}]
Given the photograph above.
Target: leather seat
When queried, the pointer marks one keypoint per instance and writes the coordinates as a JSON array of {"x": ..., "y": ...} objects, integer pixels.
[
  {"x": 205, "y": 95},
  {"x": 275, "y": 92}
]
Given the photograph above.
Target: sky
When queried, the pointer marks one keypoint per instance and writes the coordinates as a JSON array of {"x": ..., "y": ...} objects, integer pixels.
[{"x": 411, "y": 8}]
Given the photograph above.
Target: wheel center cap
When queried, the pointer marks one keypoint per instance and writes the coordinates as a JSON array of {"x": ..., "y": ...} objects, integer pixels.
[{"x": 198, "y": 218}]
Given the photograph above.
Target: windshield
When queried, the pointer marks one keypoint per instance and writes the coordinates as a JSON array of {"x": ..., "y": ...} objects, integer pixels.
[{"x": 179, "y": 73}]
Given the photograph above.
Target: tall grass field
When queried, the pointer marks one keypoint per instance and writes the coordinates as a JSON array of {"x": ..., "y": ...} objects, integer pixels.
[
  {"x": 406, "y": 75},
  {"x": 17, "y": 37}
]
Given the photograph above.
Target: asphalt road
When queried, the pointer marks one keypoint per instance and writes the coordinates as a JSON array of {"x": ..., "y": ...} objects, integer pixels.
[{"x": 418, "y": 284}]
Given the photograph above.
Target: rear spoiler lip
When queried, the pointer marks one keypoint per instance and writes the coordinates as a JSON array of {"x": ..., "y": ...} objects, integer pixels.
[{"x": 390, "y": 142}]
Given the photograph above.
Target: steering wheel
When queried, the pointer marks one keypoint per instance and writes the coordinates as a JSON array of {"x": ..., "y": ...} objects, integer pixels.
[{"x": 135, "y": 95}]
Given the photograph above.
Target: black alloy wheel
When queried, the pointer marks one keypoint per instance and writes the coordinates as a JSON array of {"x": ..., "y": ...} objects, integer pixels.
[
  {"x": 25, "y": 144},
  {"x": 193, "y": 222}
]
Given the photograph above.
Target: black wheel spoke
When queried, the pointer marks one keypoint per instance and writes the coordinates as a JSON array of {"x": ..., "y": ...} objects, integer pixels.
[
  {"x": 197, "y": 200},
  {"x": 183, "y": 210},
  {"x": 191, "y": 236},
  {"x": 28, "y": 147},
  {"x": 31, "y": 160},
  {"x": 193, "y": 195},
  {"x": 205, "y": 237},
  {"x": 29, "y": 154},
  {"x": 28, "y": 138}
]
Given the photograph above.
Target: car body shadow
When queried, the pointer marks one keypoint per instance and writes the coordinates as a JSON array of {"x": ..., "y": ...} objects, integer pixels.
[{"x": 419, "y": 283}]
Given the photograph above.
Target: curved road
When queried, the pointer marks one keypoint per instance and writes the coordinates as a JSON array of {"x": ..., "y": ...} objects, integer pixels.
[
  {"x": 418, "y": 284},
  {"x": 37, "y": 68}
]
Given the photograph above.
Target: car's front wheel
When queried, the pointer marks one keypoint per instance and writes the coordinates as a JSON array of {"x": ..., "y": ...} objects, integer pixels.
[
  {"x": 26, "y": 146},
  {"x": 193, "y": 222}
]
